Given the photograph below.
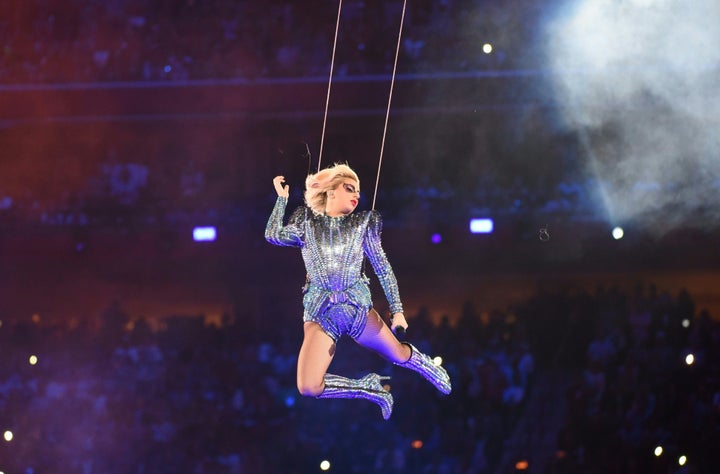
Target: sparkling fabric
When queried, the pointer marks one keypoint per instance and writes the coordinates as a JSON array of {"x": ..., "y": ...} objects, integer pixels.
[
  {"x": 337, "y": 295},
  {"x": 369, "y": 388},
  {"x": 424, "y": 365}
]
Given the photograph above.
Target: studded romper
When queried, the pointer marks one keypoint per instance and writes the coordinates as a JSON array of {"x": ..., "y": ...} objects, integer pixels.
[{"x": 337, "y": 295}]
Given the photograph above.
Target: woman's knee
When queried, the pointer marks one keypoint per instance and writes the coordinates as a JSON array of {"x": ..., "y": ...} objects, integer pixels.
[{"x": 310, "y": 388}]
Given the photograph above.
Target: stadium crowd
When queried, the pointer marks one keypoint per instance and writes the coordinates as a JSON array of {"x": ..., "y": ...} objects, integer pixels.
[
  {"x": 111, "y": 395},
  {"x": 58, "y": 41}
]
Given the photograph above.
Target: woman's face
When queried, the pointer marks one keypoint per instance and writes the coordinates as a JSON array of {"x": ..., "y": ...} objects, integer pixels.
[{"x": 343, "y": 199}]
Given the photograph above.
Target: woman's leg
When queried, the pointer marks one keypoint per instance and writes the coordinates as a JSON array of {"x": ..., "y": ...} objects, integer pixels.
[
  {"x": 378, "y": 337},
  {"x": 316, "y": 353}
]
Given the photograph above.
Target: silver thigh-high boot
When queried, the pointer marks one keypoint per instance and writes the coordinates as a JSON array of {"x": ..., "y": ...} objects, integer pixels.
[
  {"x": 422, "y": 364},
  {"x": 368, "y": 387}
]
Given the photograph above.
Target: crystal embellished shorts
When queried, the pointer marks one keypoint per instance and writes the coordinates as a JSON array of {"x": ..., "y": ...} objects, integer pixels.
[
  {"x": 341, "y": 319},
  {"x": 338, "y": 313}
]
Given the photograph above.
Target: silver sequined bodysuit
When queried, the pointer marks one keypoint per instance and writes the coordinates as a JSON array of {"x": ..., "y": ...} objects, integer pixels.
[{"x": 337, "y": 294}]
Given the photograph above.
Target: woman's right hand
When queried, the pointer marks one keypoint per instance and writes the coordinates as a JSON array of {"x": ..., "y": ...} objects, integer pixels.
[{"x": 282, "y": 191}]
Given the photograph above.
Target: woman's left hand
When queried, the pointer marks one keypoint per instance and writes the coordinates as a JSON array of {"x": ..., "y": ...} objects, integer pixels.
[
  {"x": 398, "y": 320},
  {"x": 282, "y": 191}
]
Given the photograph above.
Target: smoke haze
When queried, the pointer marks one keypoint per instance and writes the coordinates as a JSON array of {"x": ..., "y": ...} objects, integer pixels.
[{"x": 638, "y": 80}]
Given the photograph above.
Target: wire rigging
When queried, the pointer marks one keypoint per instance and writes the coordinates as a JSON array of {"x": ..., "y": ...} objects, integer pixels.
[
  {"x": 387, "y": 112},
  {"x": 327, "y": 99}
]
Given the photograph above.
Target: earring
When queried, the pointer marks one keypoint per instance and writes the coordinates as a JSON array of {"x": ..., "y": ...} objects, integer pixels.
[{"x": 331, "y": 193}]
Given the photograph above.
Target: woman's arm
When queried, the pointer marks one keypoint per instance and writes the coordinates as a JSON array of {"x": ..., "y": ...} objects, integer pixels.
[
  {"x": 372, "y": 246},
  {"x": 290, "y": 235}
]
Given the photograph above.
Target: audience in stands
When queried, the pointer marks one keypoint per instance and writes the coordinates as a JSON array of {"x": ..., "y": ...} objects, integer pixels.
[
  {"x": 188, "y": 397},
  {"x": 136, "y": 40}
]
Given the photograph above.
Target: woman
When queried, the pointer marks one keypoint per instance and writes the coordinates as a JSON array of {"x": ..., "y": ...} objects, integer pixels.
[{"x": 337, "y": 297}]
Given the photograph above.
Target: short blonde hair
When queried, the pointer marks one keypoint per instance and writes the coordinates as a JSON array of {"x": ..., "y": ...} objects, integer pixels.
[{"x": 317, "y": 185}]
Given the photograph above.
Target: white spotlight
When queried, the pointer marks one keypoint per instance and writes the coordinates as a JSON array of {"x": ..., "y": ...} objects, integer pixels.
[
  {"x": 618, "y": 233},
  {"x": 204, "y": 234},
  {"x": 689, "y": 359},
  {"x": 682, "y": 460},
  {"x": 325, "y": 465},
  {"x": 487, "y": 48},
  {"x": 8, "y": 435},
  {"x": 481, "y": 226},
  {"x": 658, "y": 451}
]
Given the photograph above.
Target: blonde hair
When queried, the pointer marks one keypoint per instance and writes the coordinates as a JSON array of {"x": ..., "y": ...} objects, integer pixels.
[{"x": 317, "y": 185}]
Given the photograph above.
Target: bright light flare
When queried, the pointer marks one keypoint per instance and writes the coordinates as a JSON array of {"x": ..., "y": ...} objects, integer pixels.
[
  {"x": 689, "y": 359},
  {"x": 437, "y": 360},
  {"x": 204, "y": 234},
  {"x": 8, "y": 435},
  {"x": 686, "y": 323},
  {"x": 33, "y": 360},
  {"x": 487, "y": 48},
  {"x": 618, "y": 233},
  {"x": 325, "y": 465},
  {"x": 682, "y": 460},
  {"x": 658, "y": 451},
  {"x": 481, "y": 226}
]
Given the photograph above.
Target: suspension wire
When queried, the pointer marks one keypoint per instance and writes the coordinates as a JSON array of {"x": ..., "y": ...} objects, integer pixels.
[
  {"x": 387, "y": 113},
  {"x": 327, "y": 99}
]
